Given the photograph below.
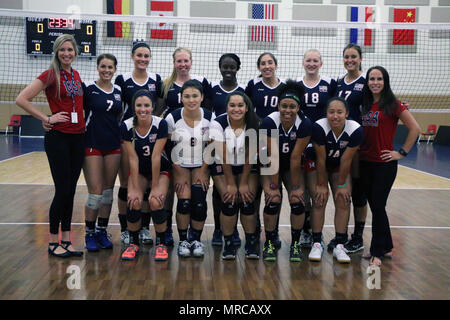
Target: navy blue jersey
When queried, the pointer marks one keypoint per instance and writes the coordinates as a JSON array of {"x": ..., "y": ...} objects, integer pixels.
[
  {"x": 301, "y": 129},
  {"x": 352, "y": 93},
  {"x": 264, "y": 98},
  {"x": 173, "y": 100},
  {"x": 188, "y": 142},
  {"x": 129, "y": 87},
  {"x": 316, "y": 97},
  {"x": 102, "y": 114},
  {"x": 144, "y": 144},
  {"x": 351, "y": 136},
  {"x": 218, "y": 96}
]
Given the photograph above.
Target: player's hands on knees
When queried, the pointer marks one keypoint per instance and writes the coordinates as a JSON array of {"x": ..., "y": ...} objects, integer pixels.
[
  {"x": 344, "y": 194},
  {"x": 245, "y": 193},
  {"x": 134, "y": 198},
  {"x": 321, "y": 196},
  {"x": 203, "y": 180},
  {"x": 272, "y": 195},
  {"x": 296, "y": 195},
  {"x": 231, "y": 193},
  {"x": 158, "y": 196}
]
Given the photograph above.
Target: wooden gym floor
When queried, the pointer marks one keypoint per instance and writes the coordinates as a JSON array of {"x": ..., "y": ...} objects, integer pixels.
[{"x": 418, "y": 210}]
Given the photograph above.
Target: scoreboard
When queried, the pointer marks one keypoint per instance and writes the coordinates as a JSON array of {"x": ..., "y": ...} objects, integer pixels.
[{"x": 41, "y": 33}]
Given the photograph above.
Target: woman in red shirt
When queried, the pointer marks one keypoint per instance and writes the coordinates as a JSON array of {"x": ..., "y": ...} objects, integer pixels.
[
  {"x": 380, "y": 113},
  {"x": 64, "y": 142}
]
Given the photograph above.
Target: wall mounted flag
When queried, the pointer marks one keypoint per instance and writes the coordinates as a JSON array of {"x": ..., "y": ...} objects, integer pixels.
[
  {"x": 161, "y": 30},
  {"x": 118, "y": 29},
  {"x": 404, "y": 36},
  {"x": 262, "y": 33}
]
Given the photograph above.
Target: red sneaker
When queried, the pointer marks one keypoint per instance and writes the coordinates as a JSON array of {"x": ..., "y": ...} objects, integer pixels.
[
  {"x": 161, "y": 253},
  {"x": 130, "y": 252}
]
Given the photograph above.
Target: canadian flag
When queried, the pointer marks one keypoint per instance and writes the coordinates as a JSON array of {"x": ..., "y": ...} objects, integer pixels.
[{"x": 163, "y": 9}]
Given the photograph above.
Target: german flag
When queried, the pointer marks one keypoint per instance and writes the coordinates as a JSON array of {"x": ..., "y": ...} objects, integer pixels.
[{"x": 118, "y": 29}]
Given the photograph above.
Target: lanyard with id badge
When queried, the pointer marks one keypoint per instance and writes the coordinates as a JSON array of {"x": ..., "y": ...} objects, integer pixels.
[{"x": 71, "y": 91}]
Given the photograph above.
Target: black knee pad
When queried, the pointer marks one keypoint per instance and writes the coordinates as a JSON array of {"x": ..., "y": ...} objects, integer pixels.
[
  {"x": 247, "y": 209},
  {"x": 359, "y": 198},
  {"x": 159, "y": 216},
  {"x": 272, "y": 208},
  {"x": 184, "y": 206},
  {"x": 198, "y": 203},
  {"x": 229, "y": 209},
  {"x": 123, "y": 194},
  {"x": 133, "y": 216},
  {"x": 297, "y": 208}
]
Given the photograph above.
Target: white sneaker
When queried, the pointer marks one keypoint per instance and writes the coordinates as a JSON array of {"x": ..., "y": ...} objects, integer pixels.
[
  {"x": 316, "y": 252},
  {"x": 305, "y": 239},
  {"x": 198, "y": 249},
  {"x": 145, "y": 237},
  {"x": 340, "y": 255},
  {"x": 125, "y": 237},
  {"x": 184, "y": 249}
]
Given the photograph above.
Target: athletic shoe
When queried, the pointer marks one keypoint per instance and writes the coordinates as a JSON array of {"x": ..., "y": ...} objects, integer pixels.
[
  {"x": 125, "y": 237},
  {"x": 316, "y": 252},
  {"x": 355, "y": 244},
  {"x": 277, "y": 241},
  {"x": 130, "y": 252},
  {"x": 340, "y": 255},
  {"x": 102, "y": 238},
  {"x": 198, "y": 249},
  {"x": 161, "y": 253},
  {"x": 217, "y": 238},
  {"x": 295, "y": 253},
  {"x": 236, "y": 238},
  {"x": 251, "y": 250},
  {"x": 184, "y": 249},
  {"x": 91, "y": 242},
  {"x": 145, "y": 237},
  {"x": 306, "y": 239},
  {"x": 169, "y": 236},
  {"x": 269, "y": 253},
  {"x": 229, "y": 252}
]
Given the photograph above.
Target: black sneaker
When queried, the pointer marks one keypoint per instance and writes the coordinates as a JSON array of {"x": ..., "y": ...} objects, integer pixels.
[
  {"x": 229, "y": 252},
  {"x": 269, "y": 253},
  {"x": 295, "y": 254},
  {"x": 251, "y": 250},
  {"x": 355, "y": 244}
]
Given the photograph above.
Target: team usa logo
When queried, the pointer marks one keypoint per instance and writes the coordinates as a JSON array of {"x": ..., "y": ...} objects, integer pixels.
[
  {"x": 293, "y": 136},
  {"x": 323, "y": 89},
  {"x": 152, "y": 138},
  {"x": 73, "y": 88},
  {"x": 343, "y": 144},
  {"x": 117, "y": 97},
  {"x": 151, "y": 87},
  {"x": 359, "y": 86},
  {"x": 370, "y": 119}
]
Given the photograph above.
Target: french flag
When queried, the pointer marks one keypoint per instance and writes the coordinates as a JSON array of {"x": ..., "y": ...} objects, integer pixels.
[{"x": 361, "y": 14}]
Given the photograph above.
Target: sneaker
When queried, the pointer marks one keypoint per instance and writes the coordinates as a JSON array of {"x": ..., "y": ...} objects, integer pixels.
[
  {"x": 340, "y": 255},
  {"x": 306, "y": 239},
  {"x": 125, "y": 237},
  {"x": 198, "y": 249},
  {"x": 354, "y": 245},
  {"x": 184, "y": 249},
  {"x": 130, "y": 252},
  {"x": 277, "y": 241},
  {"x": 102, "y": 238},
  {"x": 332, "y": 244},
  {"x": 251, "y": 250},
  {"x": 169, "y": 236},
  {"x": 316, "y": 252},
  {"x": 236, "y": 238},
  {"x": 229, "y": 252},
  {"x": 295, "y": 253},
  {"x": 144, "y": 236},
  {"x": 161, "y": 253},
  {"x": 217, "y": 238},
  {"x": 91, "y": 242},
  {"x": 269, "y": 253}
]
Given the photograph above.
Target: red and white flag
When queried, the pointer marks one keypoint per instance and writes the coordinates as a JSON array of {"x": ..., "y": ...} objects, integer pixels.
[
  {"x": 262, "y": 33},
  {"x": 161, "y": 30}
]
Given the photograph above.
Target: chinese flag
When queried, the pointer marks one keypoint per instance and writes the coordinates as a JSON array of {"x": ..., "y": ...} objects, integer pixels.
[{"x": 404, "y": 36}]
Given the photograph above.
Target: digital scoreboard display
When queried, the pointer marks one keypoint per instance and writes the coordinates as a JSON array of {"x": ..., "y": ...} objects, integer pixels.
[{"x": 42, "y": 32}]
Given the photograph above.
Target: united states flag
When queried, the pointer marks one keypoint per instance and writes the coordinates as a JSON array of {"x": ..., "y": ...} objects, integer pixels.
[{"x": 262, "y": 33}]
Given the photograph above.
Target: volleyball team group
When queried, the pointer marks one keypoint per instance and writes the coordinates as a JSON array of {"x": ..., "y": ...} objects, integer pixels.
[{"x": 318, "y": 134}]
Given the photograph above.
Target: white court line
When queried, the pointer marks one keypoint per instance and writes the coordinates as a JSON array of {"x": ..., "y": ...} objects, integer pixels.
[
  {"x": 18, "y": 156},
  {"x": 212, "y": 225},
  {"x": 434, "y": 175}
]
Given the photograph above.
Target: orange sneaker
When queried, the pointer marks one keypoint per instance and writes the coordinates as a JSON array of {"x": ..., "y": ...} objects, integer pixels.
[
  {"x": 130, "y": 252},
  {"x": 161, "y": 253}
]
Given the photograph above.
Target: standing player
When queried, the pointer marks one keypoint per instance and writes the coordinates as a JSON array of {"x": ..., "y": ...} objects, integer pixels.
[
  {"x": 232, "y": 135},
  {"x": 189, "y": 130},
  {"x": 103, "y": 108},
  {"x": 64, "y": 143},
  {"x": 229, "y": 65},
  {"x": 292, "y": 132},
  {"x": 130, "y": 83},
  {"x": 144, "y": 137},
  {"x": 336, "y": 141},
  {"x": 318, "y": 89}
]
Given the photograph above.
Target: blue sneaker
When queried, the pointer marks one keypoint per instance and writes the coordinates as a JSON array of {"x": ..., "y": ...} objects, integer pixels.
[
  {"x": 169, "y": 236},
  {"x": 217, "y": 238},
  {"x": 91, "y": 242},
  {"x": 103, "y": 239},
  {"x": 236, "y": 238}
]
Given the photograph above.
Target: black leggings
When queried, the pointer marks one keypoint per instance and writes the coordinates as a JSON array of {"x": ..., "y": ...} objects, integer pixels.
[
  {"x": 377, "y": 179},
  {"x": 65, "y": 153}
]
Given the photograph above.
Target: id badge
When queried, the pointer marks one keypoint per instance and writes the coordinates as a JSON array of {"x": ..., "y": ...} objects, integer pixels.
[{"x": 74, "y": 117}]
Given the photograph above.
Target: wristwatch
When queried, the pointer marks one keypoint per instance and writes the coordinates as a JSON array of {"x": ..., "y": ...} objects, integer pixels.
[{"x": 403, "y": 152}]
